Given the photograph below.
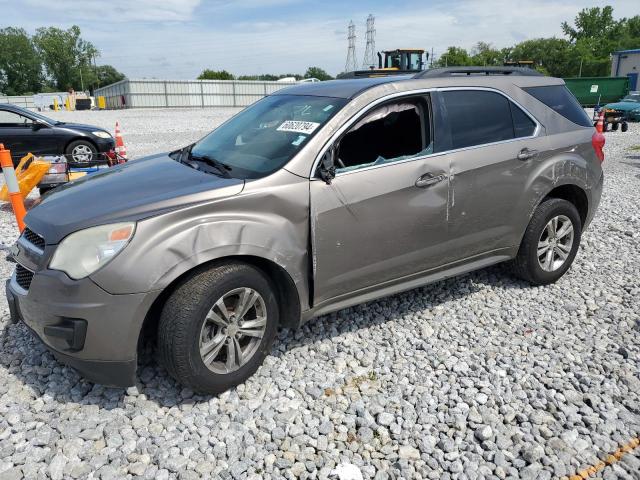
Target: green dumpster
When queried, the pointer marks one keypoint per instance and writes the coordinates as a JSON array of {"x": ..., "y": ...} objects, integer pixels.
[{"x": 592, "y": 91}]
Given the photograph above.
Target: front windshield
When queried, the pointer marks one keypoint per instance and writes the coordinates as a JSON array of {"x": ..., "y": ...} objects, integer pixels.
[
  {"x": 264, "y": 137},
  {"x": 43, "y": 118},
  {"x": 632, "y": 98}
]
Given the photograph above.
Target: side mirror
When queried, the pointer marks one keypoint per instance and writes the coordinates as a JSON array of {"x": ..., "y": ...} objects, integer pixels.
[
  {"x": 37, "y": 125},
  {"x": 327, "y": 168}
]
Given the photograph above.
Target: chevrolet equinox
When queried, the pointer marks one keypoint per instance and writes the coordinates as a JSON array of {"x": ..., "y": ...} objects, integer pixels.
[{"x": 318, "y": 197}]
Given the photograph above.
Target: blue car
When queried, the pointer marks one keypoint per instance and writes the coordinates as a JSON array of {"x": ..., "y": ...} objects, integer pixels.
[{"x": 629, "y": 106}]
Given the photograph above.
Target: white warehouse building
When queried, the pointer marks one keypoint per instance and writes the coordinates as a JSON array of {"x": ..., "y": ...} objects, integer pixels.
[
  {"x": 626, "y": 63},
  {"x": 130, "y": 93}
]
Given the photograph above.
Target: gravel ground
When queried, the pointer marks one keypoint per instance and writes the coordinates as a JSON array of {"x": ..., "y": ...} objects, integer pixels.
[{"x": 480, "y": 376}]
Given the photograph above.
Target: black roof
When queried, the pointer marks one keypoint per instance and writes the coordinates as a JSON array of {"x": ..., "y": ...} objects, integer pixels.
[{"x": 348, "y": 88}]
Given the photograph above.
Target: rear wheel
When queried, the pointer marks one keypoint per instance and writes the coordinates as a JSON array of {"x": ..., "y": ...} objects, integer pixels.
[
  {"x": 625, "y": 127},
  {"x": 217, "y": 327},
  {"x": 550, "y": 242},
  {"x": 81, "y": 151},
  {"x": 614, "y": 126}
]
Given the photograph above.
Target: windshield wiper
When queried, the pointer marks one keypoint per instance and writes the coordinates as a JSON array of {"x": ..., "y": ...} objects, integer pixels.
[{"x": 223, "y": 168}]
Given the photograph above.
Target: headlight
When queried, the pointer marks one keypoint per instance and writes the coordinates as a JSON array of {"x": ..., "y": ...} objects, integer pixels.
[
  {"x": 101, "y": 134},
  {"x": 82, "y": 253}
]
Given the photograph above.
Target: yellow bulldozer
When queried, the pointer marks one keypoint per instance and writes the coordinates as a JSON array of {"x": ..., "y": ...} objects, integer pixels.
[{"x": 394, "y": 62}]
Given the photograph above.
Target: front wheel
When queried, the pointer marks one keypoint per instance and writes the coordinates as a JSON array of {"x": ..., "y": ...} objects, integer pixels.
[
  {"x": 550, "y": 242},
  {"x": 217, "y": 327},
  {"x": 81, "y": 151}
]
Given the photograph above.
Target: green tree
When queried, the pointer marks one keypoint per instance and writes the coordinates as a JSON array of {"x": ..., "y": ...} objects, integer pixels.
[
  {"x": 208, "y": 74},
  {"x": 66, "y": 56},
  {"x": 317, "y": 72},
  {"x": 551, "y": 56},
  {"x": 483, "y": 54},
  {"x": 453, "y": 57},
  {"x": 594, "y": 35},
  {"x": 106, "y": 75},
  {"x": 20, "y": 64}
]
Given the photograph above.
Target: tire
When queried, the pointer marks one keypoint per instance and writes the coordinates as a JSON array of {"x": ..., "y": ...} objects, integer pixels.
[
  {"x": 614, "y": 126},
  {"x": 527, "y": 265},
  {"x": 81, "y": 151},
  {"x": 183, "y": 325},
  {"x": 624, "y": 127}
]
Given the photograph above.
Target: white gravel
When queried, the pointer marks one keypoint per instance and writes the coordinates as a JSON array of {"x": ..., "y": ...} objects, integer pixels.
[{"x": 480, "y": 376}]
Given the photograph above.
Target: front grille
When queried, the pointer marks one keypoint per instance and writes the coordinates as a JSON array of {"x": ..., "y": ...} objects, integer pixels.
[
  {"x": 23, "y": 277},
  {"x": 33, "y": 238}
]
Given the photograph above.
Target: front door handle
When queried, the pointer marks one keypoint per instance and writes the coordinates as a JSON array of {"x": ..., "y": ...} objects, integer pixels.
[
  {"x": 428, "y": 179},
  {"x": 526, "y": 154}
]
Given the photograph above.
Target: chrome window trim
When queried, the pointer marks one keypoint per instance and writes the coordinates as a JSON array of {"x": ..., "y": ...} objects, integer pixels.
[{"x": 380, "y": 100}]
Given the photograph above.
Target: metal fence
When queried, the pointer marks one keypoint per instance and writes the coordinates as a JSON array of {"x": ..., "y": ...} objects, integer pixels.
[
  {"x": 185, "y": 93},
  {"x": 25, "y": 101}
]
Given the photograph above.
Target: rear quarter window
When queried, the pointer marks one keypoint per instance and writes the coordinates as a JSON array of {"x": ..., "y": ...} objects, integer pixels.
[{"x": 561, "y": 100}]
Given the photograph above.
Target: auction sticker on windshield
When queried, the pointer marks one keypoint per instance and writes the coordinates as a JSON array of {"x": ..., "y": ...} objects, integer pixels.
[{"x": 298, "y": 127}]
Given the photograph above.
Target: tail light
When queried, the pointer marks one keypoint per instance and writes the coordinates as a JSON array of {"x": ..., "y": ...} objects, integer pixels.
[{"x": 597, "y": 141}]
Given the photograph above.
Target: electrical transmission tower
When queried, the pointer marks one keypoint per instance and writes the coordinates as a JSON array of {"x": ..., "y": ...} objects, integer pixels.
[
  {"x": 352, "y": 63},
  {"x": 369, "y": 59}
]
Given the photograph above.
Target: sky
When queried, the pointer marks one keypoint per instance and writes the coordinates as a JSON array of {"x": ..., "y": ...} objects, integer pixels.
[{"x": 177, "y": 39}]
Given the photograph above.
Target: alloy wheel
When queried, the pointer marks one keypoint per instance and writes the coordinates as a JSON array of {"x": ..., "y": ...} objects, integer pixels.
[
  {"x": 232, "y": 330},
  {"x": 555, "y": 243},
  {"x": 82, "y": 153}
]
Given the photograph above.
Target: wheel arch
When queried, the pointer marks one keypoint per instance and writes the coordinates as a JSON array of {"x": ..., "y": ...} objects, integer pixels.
[
  {"x": 282, "y": 283},
  {"x": 573, "y": 194}
]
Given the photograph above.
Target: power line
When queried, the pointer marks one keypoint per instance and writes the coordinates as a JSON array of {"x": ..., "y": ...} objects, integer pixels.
[
  {"x": 351, "y": 63},
  {"x": 369, "y": 59}
]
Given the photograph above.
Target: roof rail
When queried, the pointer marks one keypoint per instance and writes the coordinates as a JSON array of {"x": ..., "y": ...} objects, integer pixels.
[{"x": 469, "y": 71}]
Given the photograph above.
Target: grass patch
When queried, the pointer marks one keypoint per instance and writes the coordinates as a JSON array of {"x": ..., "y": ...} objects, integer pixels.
[{"x": 635, "y": 148}]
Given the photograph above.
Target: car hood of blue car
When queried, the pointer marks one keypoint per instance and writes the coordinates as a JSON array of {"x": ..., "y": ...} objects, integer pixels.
[{"x": 623, "y": 106}]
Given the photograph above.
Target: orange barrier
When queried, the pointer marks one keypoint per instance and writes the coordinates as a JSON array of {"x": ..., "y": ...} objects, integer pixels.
[
  {"x": 120, "y": 148},
  {"x": 600, "y": 124},
  {"x": 15, "y": 197}
]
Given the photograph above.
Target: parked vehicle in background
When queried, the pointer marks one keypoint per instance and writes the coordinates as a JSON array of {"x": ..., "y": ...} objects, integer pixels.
[
  {"x": 23, "y": 131},
  {"x": 629, "y": 107},
  {"x": 318, "y": 197}
]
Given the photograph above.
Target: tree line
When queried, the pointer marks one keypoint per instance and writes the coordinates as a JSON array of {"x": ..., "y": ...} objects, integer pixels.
[
  {"x": 585, "y": 50},
  {"x": 51, "y": 60},
  {"x": 312, "y": 72}
]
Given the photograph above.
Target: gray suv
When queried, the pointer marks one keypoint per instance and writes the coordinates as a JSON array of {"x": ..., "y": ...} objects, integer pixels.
[{"x": 315, "y": 198}]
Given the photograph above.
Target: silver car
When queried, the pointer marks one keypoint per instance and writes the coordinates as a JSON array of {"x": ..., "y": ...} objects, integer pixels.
[{"x": 318, "y": 197}]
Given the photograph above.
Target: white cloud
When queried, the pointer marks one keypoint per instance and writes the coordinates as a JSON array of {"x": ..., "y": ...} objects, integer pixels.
[
  {"x": 118, "y": 10},
  {"x": 179, "y": 38}
]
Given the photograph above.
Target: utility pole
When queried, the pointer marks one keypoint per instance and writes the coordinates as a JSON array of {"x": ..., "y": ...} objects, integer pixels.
[
  {"x": 351, "y": 63},
  {"x": 580, "y": 72},
  {"x": 369, "y": 59}
]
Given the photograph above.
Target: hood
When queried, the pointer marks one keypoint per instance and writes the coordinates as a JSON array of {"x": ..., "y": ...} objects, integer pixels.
[
  {"x": 128, "y": 192},
  {"x": 81, "y": 126},
  {"x": 624, "y": 106}
]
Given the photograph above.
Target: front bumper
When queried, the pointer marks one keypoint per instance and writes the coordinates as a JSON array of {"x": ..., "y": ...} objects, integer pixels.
[
  {"x": 84, "y": 326},
  {"x": 104, "y": 144}
]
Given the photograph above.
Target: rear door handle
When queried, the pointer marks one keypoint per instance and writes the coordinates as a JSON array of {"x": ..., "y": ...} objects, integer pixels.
[
  {"x": 428, "y": 179},
  {"x": 526, "y": 154}
]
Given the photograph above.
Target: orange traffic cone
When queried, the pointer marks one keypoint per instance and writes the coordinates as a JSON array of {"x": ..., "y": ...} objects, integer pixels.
[
  {"x": 600, "y": 124},
  {"x": 121, "y": 150},
  {"x": 15, "y": 197}
]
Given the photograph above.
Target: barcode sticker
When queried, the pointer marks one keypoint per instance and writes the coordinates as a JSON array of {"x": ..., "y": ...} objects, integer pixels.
[{"x": 298, "y": 127}]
